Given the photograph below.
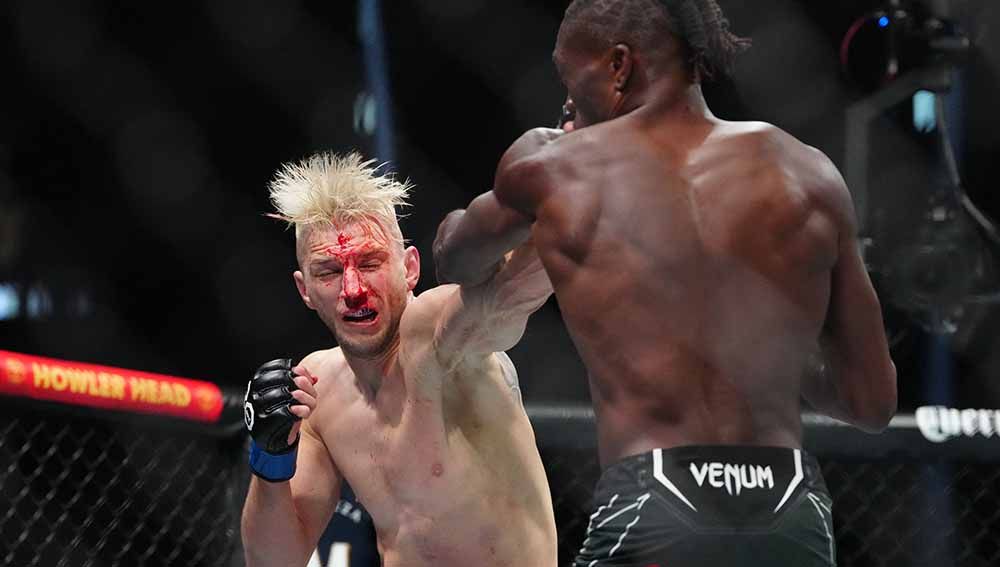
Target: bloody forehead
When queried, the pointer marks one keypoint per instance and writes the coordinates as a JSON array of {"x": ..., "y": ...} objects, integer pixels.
[
  {"x": 345, "y": 253},
  {"x": 349, "y": 241}
]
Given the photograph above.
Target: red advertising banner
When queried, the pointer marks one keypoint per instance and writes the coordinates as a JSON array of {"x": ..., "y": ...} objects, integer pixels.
[{"x": 91, "y": 385}]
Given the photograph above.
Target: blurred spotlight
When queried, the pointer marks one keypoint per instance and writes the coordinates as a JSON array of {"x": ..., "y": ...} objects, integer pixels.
[
  {"x": 39, "y": 302},
  {"x": 924, "y": 120},
  {"x": 365, "y": 114},
  {"x": 10, "y": 302},
  {"x": 371, "y": 32},
  {"x": 80, "y": 306}
]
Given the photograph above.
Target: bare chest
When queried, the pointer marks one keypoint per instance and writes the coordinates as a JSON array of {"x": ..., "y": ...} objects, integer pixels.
[{"x": 411, "y": 456}]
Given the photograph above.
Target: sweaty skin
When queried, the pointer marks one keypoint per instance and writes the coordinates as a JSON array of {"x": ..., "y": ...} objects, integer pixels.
[
  {"x": 446, "y": 466},
  {"x": 700, "y": 265},
  {"x": 422, "y": 415},
  {"x": 694, "y": 283}
]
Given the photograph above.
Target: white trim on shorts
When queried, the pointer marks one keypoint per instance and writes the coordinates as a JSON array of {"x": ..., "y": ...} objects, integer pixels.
[
  {"x": 818, "y": 504},
  {"x": 658, "y": 475},
  {"x": 638, "y": 504},
  {"x": 795, "y": 480}
]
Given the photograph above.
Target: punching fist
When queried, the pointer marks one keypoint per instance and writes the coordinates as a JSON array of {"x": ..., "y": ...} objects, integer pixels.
[{"x": 276, "y": 400}]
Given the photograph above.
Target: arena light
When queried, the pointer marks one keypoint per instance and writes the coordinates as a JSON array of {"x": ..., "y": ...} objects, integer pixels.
[
  {"x": 924, "y": 115},
  {"x": 365, "y": 114},
  {"x": 10, "y": 303},
  {"x": 373, "y": 43},
  {"x": 39, "y": 303}
]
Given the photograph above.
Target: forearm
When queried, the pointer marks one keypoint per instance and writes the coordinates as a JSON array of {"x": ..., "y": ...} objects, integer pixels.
[
  {"x": 273, "y": 534},
  {"x": 471, "y": 244},
  {"x": 819, "y": 387},
  {"x": 460, "y": 255},
  {"x": 854, "y": 396}
]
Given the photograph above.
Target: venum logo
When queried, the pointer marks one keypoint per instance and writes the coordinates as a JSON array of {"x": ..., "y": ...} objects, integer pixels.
[
  {"x": 734, "y": 478},
  {"x": 938, "y": 424}
]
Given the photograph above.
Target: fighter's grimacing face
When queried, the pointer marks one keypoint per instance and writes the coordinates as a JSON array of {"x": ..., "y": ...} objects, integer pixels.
[{"x": 358, "y": 280}]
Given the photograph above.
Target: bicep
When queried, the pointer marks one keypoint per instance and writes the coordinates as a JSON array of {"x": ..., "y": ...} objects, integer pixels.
[{"x": 316, "y": 484}]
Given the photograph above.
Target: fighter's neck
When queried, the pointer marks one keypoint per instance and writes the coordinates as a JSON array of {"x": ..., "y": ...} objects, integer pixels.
[
  {"x": 676, "y": 104},
  {"x": 370, "y": 373}
]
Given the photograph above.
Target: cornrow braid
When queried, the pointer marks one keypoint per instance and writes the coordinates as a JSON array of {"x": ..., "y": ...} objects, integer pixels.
[{"x": 711, "y": 48}]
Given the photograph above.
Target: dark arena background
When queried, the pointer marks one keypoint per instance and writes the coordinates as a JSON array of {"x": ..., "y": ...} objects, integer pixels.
[{"x": 136, "y": 142}]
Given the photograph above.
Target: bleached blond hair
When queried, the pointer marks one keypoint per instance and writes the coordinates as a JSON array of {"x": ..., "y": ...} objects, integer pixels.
[{"x": 337, "y": 189}]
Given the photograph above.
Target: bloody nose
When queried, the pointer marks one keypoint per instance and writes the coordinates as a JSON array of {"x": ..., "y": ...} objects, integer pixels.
[{"x": 354, "y": 292}]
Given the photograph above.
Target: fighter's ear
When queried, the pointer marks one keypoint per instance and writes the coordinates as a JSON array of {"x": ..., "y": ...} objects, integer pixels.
[
  {"x": 411, "y": 261},
  {"x": 622, "y": 60},
  {"x": 300, "y": 284}
]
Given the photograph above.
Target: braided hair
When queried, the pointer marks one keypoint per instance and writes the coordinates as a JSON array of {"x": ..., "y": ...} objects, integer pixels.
[{"x": 710, "y": 48}]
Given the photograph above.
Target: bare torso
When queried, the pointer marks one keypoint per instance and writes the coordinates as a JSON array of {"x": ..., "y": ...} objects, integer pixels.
[
  {"x": 694, "y": 277},
  {"x": 445, "y": 463}
]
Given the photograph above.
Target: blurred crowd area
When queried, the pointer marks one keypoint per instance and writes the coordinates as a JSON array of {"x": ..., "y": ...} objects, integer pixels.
[{"x": 137, "y": 140}]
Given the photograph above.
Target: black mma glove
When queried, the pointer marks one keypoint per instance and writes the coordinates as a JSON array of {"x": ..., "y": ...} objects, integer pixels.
[{"x": 267, "y": 415}]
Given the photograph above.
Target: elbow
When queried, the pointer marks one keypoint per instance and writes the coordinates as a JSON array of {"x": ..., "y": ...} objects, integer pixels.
[
  {"x": 876, "y": 419},
  {"x": 874, "y": 412}
]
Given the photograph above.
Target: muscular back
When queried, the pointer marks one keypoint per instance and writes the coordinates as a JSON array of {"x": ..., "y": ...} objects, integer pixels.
[{"x": 694, "y": 277}]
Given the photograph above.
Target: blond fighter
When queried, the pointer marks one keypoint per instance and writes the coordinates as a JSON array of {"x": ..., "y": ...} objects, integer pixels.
[{"x": 417, "y": 408}]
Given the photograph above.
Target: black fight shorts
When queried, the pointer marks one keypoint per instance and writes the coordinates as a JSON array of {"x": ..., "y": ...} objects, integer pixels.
[{"x": 711, "y": 506}]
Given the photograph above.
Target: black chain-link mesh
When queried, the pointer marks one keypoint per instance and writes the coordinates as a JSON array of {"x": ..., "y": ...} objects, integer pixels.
[
  {"x": 886, "y": 514},
  {"x": 912, "y": 513},
  {"x": 80, "y": 492}
]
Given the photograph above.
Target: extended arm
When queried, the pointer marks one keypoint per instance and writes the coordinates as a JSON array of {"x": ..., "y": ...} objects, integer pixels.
[
  {"x": 469, "y": 323},
  {"x": 853, "y": 377},
  {"x": 470, "y": 244}
]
